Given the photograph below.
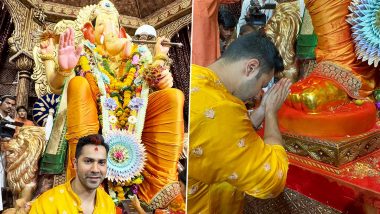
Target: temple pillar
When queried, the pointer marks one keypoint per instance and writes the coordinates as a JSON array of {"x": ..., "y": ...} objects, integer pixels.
[{"x": 24, "y": 63}]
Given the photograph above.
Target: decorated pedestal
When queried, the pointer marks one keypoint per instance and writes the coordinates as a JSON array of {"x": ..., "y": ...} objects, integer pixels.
[
  {"x": 334, "y": 160},
  {"x": 341, "y": 173},
  {"x": 334, "y": 152}
]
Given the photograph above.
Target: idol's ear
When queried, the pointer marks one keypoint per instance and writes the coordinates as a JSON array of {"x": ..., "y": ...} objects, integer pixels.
[
  {"x": 88, "y": 32},
  {"x": 122, "y": 33}
]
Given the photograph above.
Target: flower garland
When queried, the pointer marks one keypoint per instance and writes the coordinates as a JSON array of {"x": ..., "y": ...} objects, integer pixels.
[
  {"x": 122, "y": 90},
  {"x": 121, "y": 190}
]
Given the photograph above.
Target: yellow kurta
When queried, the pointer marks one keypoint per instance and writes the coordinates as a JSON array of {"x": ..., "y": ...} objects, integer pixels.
[
  {"x": 62, "y": 199},
  {"x": 227, "y": 158}
]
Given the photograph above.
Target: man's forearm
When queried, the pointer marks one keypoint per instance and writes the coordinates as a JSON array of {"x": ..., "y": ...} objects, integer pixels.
[{"x": 272, "y": 134}]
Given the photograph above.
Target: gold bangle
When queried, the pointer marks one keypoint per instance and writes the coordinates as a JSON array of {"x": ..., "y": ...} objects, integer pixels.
[
  {"x": 162, "y": 57},
  {"x": 64, "y": 73},
  {"x": 47, "y": 57}
]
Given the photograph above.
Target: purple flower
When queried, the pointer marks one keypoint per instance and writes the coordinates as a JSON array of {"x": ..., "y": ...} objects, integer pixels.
[
  {"x": 110, "y": 104},
  {"x": 136, "y": 103},
  {"x": 378, "y": 105},
  {"x": 134, "y": 189},
  {"x": 135, "y": 59}
]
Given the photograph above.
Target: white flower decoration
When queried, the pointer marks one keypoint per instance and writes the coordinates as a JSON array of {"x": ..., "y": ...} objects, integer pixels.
[
  {"x": 194, "y": 89},
  {"x": 241, "y": 143},
  {"x": 210, "y": 113},
  {"x": 280, "y": 174},
  {"x": 132, "y": 120},
  {"x": 193, "y": 189},
  {"x": 113, "y": 119},
  {"x": 233, "y": 176},
  {"x": 267, "y": 167}
]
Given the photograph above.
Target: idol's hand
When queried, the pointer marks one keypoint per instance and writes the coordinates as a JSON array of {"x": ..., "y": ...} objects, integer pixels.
[
  {"x": 47, "y": 47},
  {"x": 165, "y": 80},
  {"x": 68, "y": 55},
  {"x": 160, "y": 49}
]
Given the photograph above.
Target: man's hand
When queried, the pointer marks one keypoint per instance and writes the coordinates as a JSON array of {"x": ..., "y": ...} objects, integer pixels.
[
  {"x": 273, "y": 102},
  {"x": 275, "y": 97}
]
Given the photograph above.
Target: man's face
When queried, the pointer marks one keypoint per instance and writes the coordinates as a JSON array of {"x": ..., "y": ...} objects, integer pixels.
[
  {"x": 251, "y": 85},
  {"x": 22, "y": 113},
  {"x": 7, "y": 105},
  {"x": 225, "y": 32},
  {"x": 91, "y": 166},
  {"x": 145, "y": 37}
]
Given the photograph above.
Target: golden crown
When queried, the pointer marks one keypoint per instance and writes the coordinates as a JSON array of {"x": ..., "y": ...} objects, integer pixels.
[{"x": 104, "y": 7}]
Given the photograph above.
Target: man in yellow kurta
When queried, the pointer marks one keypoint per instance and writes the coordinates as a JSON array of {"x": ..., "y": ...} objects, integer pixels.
[
  {"x": 81, "y": 194},
  {"x": 227, "y": 158}
]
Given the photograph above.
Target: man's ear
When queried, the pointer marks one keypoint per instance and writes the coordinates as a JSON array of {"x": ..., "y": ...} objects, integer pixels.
[
  {"x": 88, "y": 32},
  {"x": 252, "y": 67}
]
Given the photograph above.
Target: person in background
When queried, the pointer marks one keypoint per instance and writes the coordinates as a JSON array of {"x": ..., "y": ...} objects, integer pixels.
[
  {"x": 227, "y": 25},
  {"x": 22, "y": 116},
  {"x": 245, "y": 9},
  {"x": 205, "y": 48},
  {"x": 7, "y": 104}
]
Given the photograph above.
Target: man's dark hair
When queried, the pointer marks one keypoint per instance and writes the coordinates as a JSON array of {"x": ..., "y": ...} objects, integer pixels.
[
  {"x": 21, "y": 107},
  {"x": 226, "y": 18},
  {"x": 255, "y": 45},
  {"x": 95, "y": 139},
  {"x": 3, "y": 98}
]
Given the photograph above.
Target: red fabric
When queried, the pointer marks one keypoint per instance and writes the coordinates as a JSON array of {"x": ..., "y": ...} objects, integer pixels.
[
  {"x": 349, "y": 119},
  {"x": 348, "y": 192}
]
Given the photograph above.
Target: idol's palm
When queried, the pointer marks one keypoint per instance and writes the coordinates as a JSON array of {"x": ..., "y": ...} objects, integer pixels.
[{"x": 68, "y": 55}]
